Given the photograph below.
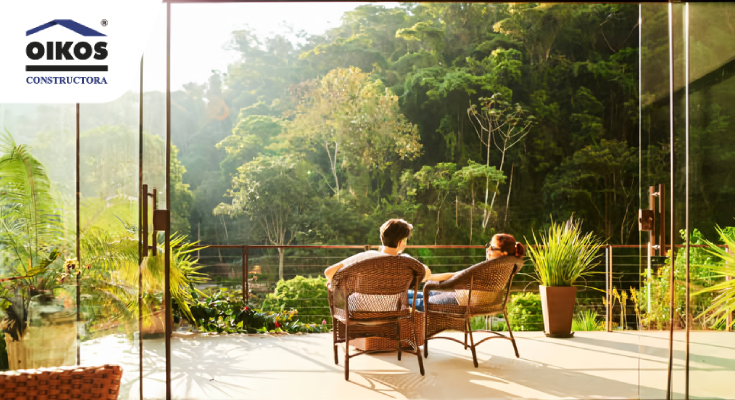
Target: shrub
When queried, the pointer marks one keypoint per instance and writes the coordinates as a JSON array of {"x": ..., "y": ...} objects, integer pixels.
[
  {"x": 587, "y": 321},
  {"x": 524, "y": 312},
  {"x": 308, "y": 295},
  {"x": 224, "y": 311}
]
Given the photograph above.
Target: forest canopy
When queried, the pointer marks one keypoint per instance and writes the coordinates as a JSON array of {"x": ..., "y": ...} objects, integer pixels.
[{"x": 465, "y": 119}]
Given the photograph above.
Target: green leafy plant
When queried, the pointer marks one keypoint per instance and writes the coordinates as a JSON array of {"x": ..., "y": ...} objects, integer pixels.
[
  {"x": 704, "y": 264},
  {"x": 308, "y": 295},
  {"x": 563, "y": 254},
  {"x": 112, "y": 283},
  {"x": 587, "y": 321},
  {"x": 30, "y": 234},
  {"x": 724, "y": 302},
  {"x": 224, "y": 311},
  {"x": 524, "y": 312}
]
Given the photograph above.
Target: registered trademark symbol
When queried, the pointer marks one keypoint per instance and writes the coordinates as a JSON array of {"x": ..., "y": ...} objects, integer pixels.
[{"x": 104, "y": 22}]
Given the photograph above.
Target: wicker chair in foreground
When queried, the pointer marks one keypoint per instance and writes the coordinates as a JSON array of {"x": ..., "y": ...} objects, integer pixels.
[
  {"x": 480, "y": 290},
  {"x": 369, "y": 299},
  {"x": 63, "y": 383}
]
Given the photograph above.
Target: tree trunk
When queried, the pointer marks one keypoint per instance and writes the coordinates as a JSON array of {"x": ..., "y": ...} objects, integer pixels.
[
  {"x": 507, "y": 201},
  {"x": 495, "y": 193},
  {"x": 471, "y": 212},
  {"x": 280, "y": 263},
  {"x": 487, "y": 179},
  {"x": 456, "y": 211},
  {"x": 333, "y": 166}
]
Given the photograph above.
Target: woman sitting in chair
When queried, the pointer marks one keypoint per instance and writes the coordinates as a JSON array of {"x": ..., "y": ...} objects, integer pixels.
[{"x": 500, "y": 245}]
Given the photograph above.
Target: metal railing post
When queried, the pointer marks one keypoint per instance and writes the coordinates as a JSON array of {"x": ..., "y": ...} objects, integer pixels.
[
  {"x": 730, "y": 316},
  {"x": 608, "y": 289},
  {"x": 246, "y": 283}
]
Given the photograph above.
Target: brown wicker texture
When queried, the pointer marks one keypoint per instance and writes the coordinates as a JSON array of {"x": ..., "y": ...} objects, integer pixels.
[
  {"x": 408, "y": 326},
  {"x": 369, "y": 299},
  {"x": 62, "y": 383},
  {"x": 480, "y": 290}
]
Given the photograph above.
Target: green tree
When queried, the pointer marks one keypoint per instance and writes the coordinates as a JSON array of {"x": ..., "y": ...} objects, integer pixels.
[
  {"x": 598, "y": 184},
  {"x": 501, "y": 125},
  {"x": 356, "y": 120},
  {"x": 273, "y": 191}
]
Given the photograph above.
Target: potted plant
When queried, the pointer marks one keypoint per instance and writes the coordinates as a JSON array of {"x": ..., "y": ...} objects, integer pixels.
[
  {"x": 114, "y": 280},
  {"x": 561, "y": 256},
  {"x": 30, "y": 262}
]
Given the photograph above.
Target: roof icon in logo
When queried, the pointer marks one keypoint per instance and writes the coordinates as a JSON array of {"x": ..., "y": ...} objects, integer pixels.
[{"x": 68, "y": 24}]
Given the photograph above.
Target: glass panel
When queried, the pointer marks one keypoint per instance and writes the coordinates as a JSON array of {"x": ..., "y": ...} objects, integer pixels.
[
  {"x": 38, "y": 294},
  {"x": 654, "y": 295},
  {"x": 154, "y": 176},
  {"x": 711, "y": 194},
  {"x": 654, "y": 145},
  {"x": 109, "y": 169}
]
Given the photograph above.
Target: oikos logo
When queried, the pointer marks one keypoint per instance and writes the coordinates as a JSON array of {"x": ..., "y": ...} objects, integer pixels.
[
  {"x": 64, "y": 55},
  {"x": 77, "y": 51}
]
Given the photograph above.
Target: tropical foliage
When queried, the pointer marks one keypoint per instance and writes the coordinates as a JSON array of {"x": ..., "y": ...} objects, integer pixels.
[
  {"x": 31, "y": 240},
  {"x": 723, "y": 272},
  {"x": 223, "y": 311}
]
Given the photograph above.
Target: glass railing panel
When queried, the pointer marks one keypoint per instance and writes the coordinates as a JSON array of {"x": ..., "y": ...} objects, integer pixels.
[{"x": 711, "y": 55}]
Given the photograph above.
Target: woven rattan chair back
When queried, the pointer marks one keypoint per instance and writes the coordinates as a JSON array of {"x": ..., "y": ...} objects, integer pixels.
[
  {"x": 375, "y": 288},
  {"x": 488, "y": 283},
  {"x": 369, "y": 299}
]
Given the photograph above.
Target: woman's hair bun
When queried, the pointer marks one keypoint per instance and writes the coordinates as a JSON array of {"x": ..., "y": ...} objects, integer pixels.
[{"x": 520, "y": 250}]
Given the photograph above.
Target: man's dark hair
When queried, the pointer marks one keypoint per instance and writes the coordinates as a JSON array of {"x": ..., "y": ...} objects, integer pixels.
[{"x": 393, "y": 231}]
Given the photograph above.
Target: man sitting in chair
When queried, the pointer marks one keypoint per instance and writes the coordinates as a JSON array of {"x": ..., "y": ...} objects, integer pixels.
[{"x": 394, "y": 235}]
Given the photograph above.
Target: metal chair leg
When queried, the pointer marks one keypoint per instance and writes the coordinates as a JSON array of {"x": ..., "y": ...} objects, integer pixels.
[{"x": 510, "y": 331}]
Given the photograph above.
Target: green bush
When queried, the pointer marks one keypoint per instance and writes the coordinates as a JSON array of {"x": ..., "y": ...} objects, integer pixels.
[
  {"x": 308, "y": 295},
  {"x": 524, "y": 312},
  {"x": 587, "y": 321},
  {"x": 224, "y": 311}
]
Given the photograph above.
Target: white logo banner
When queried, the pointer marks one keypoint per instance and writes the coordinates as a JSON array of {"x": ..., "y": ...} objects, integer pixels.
[{"x": 72, "y": 51}]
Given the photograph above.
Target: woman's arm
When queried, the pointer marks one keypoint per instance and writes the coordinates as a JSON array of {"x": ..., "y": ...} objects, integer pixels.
[
  {"x": 427, "y": 273},
  {"x": 440, "y": 277}
]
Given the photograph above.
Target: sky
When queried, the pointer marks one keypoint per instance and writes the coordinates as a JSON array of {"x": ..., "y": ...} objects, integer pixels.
[{"x": 200, "y": 33}]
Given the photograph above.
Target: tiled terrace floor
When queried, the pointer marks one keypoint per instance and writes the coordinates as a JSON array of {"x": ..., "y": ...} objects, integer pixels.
[{"x": 591, "y": 365}]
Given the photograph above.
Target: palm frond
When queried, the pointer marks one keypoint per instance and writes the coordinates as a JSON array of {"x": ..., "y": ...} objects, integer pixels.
[{"x": 724, "y": 303}]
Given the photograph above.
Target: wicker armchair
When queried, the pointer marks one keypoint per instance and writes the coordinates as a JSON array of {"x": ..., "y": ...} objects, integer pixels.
[
  {"x": 83, "y": 383},
  {"x": 369, "y": 299},
  {"x": 480, "y": 290}
]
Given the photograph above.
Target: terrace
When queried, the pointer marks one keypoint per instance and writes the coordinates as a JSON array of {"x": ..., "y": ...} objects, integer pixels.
[
  {"x": 592, "y": 365},
  {"x": 213, "y": 191}
]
